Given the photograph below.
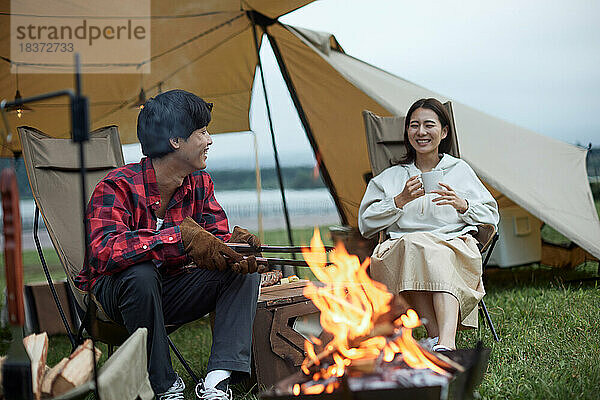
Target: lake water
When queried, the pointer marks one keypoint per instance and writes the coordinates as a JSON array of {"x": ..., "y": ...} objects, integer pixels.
[{"x": 307, "y": 208}]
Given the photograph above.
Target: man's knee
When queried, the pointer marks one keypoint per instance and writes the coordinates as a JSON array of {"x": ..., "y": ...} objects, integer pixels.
[
  {"x": 142, "y": 280},
  {"x": 246, "y": 283},
  {"x": 252, "y": 280}
]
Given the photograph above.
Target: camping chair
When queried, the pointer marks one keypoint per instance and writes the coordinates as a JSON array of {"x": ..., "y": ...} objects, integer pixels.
[
  {"x": 385, "y": 142},
  {"x": 53, "y": 170}
]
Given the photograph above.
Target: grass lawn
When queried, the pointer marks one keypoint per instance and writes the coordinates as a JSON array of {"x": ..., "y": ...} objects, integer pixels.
[{"x": 549, "y": 329}]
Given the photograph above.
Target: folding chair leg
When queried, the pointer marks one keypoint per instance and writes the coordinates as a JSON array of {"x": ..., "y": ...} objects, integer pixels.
[
  {"x": 484, "y": 310},
  {"x": 182, "y": 361},
  {"x": 482, "y": 318},
  {"x": 36, "y": 238}
]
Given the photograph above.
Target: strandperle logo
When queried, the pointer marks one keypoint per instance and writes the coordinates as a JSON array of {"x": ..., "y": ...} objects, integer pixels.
[
  {"x": 85, "y": 31},
  {"x": 111, "y": 36}
]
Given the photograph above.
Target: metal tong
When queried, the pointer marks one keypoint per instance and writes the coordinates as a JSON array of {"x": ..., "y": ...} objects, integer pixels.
[
  {"x": 243, "y": 248},
  {"x": 246, "y": 249}
]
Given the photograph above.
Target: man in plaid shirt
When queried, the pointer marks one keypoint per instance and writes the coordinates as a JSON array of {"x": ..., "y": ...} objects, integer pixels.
[{"x": 147, "y": 222}]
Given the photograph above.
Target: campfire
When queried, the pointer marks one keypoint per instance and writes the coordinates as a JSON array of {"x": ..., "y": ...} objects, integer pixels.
[{"x": 368, "y": 341}]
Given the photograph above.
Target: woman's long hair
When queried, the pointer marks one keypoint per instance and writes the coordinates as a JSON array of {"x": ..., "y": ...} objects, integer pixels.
[{"x": 438, "y": 108}]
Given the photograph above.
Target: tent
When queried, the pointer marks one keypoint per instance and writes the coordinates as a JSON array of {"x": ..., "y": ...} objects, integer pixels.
[
  {"x": 329, "y": 89},
  {"x": 206, "y": 47},
  {"x": 544, "y": 176}
]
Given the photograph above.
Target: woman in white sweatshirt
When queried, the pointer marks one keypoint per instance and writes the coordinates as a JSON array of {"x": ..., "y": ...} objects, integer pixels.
[{"x": 429, "y": 256}]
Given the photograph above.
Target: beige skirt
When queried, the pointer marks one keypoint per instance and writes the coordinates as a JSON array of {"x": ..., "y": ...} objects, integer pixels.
[{"x": 422, "y": 261}]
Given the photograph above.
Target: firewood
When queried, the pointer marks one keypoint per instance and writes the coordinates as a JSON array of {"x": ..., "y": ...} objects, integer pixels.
[
  {"x": 51, "y": 375},
  {"x": 382, "y": 328},
  {"x": 442, "y": 361},
  {"x": 77, "y": 370},
  {"x": 37, "y": 349},
  {"x": 1, "y": 362},
  {"x": 270, "y": 278},
  {"x": 398, "y": 306},
  {"x": 363, "y": 366},
  {"x": 321, "y": 356}
]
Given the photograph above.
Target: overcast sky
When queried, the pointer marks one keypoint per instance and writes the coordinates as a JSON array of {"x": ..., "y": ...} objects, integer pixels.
[{"x": 534, "y": 63}]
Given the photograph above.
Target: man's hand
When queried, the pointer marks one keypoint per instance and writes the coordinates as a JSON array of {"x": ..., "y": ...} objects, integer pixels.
[
  {"x": 247, "y": 266},
  {"x": 241, "y": 235},
  {"x": 208, "y": 251}
]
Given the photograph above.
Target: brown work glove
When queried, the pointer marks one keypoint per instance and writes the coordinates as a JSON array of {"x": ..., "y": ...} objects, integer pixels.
[
  {"x": 241, "y": 235},
  {"x": 247, "y": 266},
  {"x": 208, "y": 251}
]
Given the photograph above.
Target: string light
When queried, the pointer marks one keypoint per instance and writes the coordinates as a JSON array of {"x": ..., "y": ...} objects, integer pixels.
[
  {"x": 21, "y": 108},
  {"x": 139, "y": 104}
]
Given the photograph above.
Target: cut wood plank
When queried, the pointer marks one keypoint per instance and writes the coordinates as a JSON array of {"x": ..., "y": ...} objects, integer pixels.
[
  {"x": 37, "y": 348},
  {"x": 1, "y": 362},
  {"x": 51, "y": 375},
  {"x": 78, "y": 369},
  {"x": 284, "y": 286}
]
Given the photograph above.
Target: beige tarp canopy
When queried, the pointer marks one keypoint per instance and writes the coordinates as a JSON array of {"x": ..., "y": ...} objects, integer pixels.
[
  {"x": 544, "y": 176},
  {"x": 206, "y": 47}
]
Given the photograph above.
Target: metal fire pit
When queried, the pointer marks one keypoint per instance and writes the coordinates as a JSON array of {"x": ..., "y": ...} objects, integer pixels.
[{"x": 460, "y": 386}]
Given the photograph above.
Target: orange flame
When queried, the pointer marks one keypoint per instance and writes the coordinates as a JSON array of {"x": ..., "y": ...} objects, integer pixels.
[{"x": 350, "y": 302}]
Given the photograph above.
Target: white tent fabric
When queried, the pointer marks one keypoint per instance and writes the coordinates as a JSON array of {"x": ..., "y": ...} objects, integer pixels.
[{"x": 544, "y": 176}]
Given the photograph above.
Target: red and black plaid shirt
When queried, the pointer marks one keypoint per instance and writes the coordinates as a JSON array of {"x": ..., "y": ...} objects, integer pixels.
[{"x": 122, "y": 223}]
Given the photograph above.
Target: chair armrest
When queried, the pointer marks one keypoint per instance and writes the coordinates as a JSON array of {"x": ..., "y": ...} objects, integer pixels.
[{"x": 484, "y": 236}]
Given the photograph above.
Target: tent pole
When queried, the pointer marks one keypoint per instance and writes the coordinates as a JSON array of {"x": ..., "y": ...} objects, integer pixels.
[
  {"x": 261, "y": 232},
  {"x": 309, "y": 134},
  {"x": 275, "y": 154},
  {"x": 80, "y": 126}
]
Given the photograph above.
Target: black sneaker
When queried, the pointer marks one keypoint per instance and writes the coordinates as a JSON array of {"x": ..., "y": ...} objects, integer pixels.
[
  {"x": 223, "y": 385},
  {"x": 175, "y": 392},
  {"x": 220, "y": 392},
  {"x": 440, "y": 348}
]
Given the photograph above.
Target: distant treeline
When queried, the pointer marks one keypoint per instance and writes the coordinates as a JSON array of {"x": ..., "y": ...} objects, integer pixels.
[
  {"x": 593, "y": 162},
  {"x": 297, "y": 178},
  {"x": 293, "y": 177},
  {"x": 22, "y": 181},
  {"x": 593, "y": 169}
]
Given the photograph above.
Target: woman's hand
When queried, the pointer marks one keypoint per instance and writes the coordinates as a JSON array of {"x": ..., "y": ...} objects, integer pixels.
[
  {"x": 413, "y": 189},
  {"x": 449, "y": 196}
]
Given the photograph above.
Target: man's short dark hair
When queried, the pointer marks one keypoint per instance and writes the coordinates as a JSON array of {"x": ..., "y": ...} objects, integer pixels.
[{"x": 175, "y": 113}]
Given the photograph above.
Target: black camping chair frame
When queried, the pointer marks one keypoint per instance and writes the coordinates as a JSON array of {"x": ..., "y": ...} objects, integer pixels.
[
  {"x": 483, "y": 312},
  {"x": 84, "y": 318}
]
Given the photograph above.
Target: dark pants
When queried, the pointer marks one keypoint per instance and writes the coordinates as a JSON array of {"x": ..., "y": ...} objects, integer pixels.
[{"x": 140, "y": 297}]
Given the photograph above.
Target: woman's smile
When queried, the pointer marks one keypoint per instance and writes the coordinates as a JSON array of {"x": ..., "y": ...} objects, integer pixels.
[{"x": 425, "y": 131}]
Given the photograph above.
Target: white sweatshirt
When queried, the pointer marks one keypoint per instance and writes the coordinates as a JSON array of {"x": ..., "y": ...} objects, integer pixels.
[{"x": 378, "y": 211}]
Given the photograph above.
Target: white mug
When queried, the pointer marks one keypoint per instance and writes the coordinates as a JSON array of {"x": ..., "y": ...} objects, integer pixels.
[{"x": 431, "y": 180}]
